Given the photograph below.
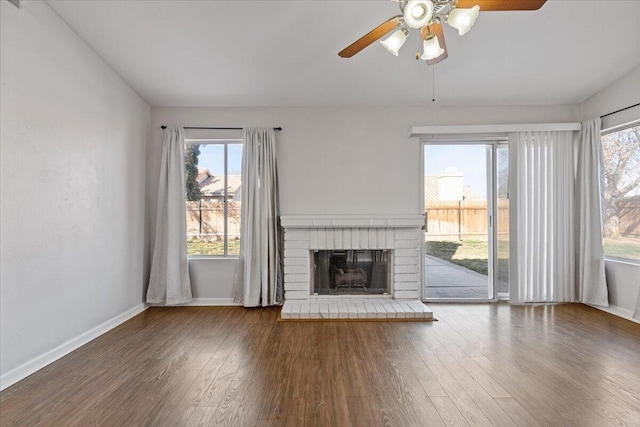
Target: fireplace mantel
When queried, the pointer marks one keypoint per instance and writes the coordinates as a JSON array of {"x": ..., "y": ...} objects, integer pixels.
[{"x": 351, "y": 221}]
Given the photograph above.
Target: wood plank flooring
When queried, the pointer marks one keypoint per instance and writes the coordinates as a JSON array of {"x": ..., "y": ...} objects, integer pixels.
[{"x": 481, "y": 364}]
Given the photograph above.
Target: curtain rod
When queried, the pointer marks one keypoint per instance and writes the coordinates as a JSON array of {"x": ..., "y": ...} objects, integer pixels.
[
  {"x": 622, "y": 109},
  {"x": 278, "y": 129}
]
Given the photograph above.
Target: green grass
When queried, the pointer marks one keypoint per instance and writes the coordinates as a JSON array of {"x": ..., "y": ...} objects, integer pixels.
[
  {"x": 471, "y": 254},
  {"x": 624, "y": 247},
  {"x": 197, "y": 246}
]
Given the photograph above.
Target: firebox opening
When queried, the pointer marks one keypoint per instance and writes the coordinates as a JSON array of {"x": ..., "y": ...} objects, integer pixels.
[{"x": 355, "y": 272}]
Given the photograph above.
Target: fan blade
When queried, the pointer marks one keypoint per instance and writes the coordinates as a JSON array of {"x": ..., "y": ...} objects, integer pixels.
[
  {"x": 496, "y": 5},
  {"x": 435, "y": 28},
  {"x": 373, "y": 35}
]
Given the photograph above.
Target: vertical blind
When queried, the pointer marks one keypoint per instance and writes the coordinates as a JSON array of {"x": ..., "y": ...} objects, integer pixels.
[{"x": 542, "y": 175}]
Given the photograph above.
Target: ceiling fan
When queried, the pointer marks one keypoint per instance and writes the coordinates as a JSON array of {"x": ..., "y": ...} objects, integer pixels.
[{"x": 427, "y": 16}]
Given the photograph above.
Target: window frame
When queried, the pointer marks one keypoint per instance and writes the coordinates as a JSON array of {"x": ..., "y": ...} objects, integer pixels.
[
  {"x": 225, "y": 142},
  {"x": 604, "y": 132}
]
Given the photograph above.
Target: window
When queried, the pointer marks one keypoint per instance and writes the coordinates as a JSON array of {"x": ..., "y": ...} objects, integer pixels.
[
  {"x": 213, "y": 185},
  {"x": 621, "y": 150}
]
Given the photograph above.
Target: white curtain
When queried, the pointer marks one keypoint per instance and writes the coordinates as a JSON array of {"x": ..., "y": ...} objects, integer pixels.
[
  {"x": 591, "y": 283},
  {"x": 169, "y": 283},
  {"x": 259, "y": 274},
  {"x": 542, "y": 176}
]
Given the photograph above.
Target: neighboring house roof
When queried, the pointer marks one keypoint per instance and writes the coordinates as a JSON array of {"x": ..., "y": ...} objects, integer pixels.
[
  {"x": 431, "y": 190},
  {"x": 203, "y": 174},
  {"x": 213, "y": 186}
]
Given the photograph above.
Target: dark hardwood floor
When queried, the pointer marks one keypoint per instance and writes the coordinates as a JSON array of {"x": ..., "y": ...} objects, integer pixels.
[{"x": 478, "y": 365}]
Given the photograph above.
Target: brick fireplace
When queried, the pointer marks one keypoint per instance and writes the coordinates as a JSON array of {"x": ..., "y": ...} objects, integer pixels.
[{"x": 397, "y": 234}]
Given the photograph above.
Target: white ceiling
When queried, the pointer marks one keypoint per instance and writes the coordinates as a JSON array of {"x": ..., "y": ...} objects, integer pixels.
[{"x": 285, "y": 53}]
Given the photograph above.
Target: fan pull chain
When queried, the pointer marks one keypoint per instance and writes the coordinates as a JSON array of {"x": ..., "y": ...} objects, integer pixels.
[{"x": 433, "y": 84}]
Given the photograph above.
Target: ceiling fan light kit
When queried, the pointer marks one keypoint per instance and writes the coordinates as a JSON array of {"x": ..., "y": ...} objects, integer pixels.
[
  {"x": 417, "y": 13},
  {"x": 426, "y": 16},
  {"x": 463, "y": 19},
  {"x": 431, "y": 49},
  {"x": 395, "y": 41}
]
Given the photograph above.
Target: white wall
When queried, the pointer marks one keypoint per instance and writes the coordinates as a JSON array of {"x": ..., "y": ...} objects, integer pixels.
[
  {"x": 72, "y": 142},
  {"x": 623, "y": 279},
  {"x": 622, "y": 93},
  {"x": 340, "y": 160}
]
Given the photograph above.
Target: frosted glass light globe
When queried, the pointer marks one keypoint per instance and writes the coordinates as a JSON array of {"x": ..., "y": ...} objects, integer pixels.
[{"x": 463, "y": 19}]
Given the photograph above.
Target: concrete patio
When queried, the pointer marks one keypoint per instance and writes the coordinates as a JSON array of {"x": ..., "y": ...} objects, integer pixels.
[{"x": 445, "y": 280}]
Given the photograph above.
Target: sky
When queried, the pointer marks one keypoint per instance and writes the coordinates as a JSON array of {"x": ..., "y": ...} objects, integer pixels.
[
  {"x": 468, "y": 159},
  {"x": 212, "y": 158}
]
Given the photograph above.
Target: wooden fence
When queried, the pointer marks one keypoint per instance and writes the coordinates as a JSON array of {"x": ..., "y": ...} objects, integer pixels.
[
  {"x": 205, "y": 219},
  {"x": 463, "y": 220}
]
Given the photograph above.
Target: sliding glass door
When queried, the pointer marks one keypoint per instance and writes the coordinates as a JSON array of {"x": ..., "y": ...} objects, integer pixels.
[{"x": 466, "y": 212}]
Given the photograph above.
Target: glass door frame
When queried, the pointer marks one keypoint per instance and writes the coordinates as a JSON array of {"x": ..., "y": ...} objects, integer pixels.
[{"x": 491, "y": 143}]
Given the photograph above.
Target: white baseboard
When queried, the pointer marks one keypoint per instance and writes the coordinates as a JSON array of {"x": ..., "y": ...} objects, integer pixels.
[
  {"x": 199, "y": 302},
  {"x": 617, "y": 311},
  {"x": 39, "y": 362}
]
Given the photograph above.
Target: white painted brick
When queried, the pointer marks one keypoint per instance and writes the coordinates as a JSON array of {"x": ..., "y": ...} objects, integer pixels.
[
  {"x": 391, "y": 311},
  {"x": 297, "y": 261},
  {"x": 352, "y": 310},
  {"x": 297, "y": 269},
  {"x": 337, "y": 238},
  {"x": 408, "y": 277},
  {"x": 381, "y": 312},
  {"x": 410, "y": 244},
  {"x": 296, "y": 253},
  {"x": 415, "y": 252},
  {"x": 406, "y": 260},
  {"x": 389, "y": 236},
  {"x": 322, "y": 239},
  {"x": 330, "y": 240},
  {"x": 313, "y": 238},
  {"x": 296, "y": 295},
  {"x": 295, "y": 310},
  {"x": 324, "y": 310},
  {"x": 314, "y": 311},
  {"x": 400, "y": 310},
  {"x": 333, "y": 311},
  {"x": 343, "y": 310},
  {"x": 408, "y": 311},
  {"x": 296, "y": 286},
  {"x": 371, "y": 311},
  {"x": 381, "y": 236},
  {"x": 373, "y": 238},
  {"x": 346, "y": 238},
  {"x": 304, "y": 278},
  {"x": 404, "y": 234},
  {"x": 407, "y": 294},
  {"x": 296, "y": 244},
  {"x": 405, "y": 286},
  {"x": 296, "y": 234},
  {"x": 419, "y": 309},
  {"x": 408, "y": 268},
  {"x": 285, "y": 313},
  {"x": 355, "y": 239},
  {"x": 362, "y": 310}
]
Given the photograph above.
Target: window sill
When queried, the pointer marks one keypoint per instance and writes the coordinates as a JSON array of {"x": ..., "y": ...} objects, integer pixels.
[
  {"x": 622, "y": 261},
  {"x": 212, "y": 257}
]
